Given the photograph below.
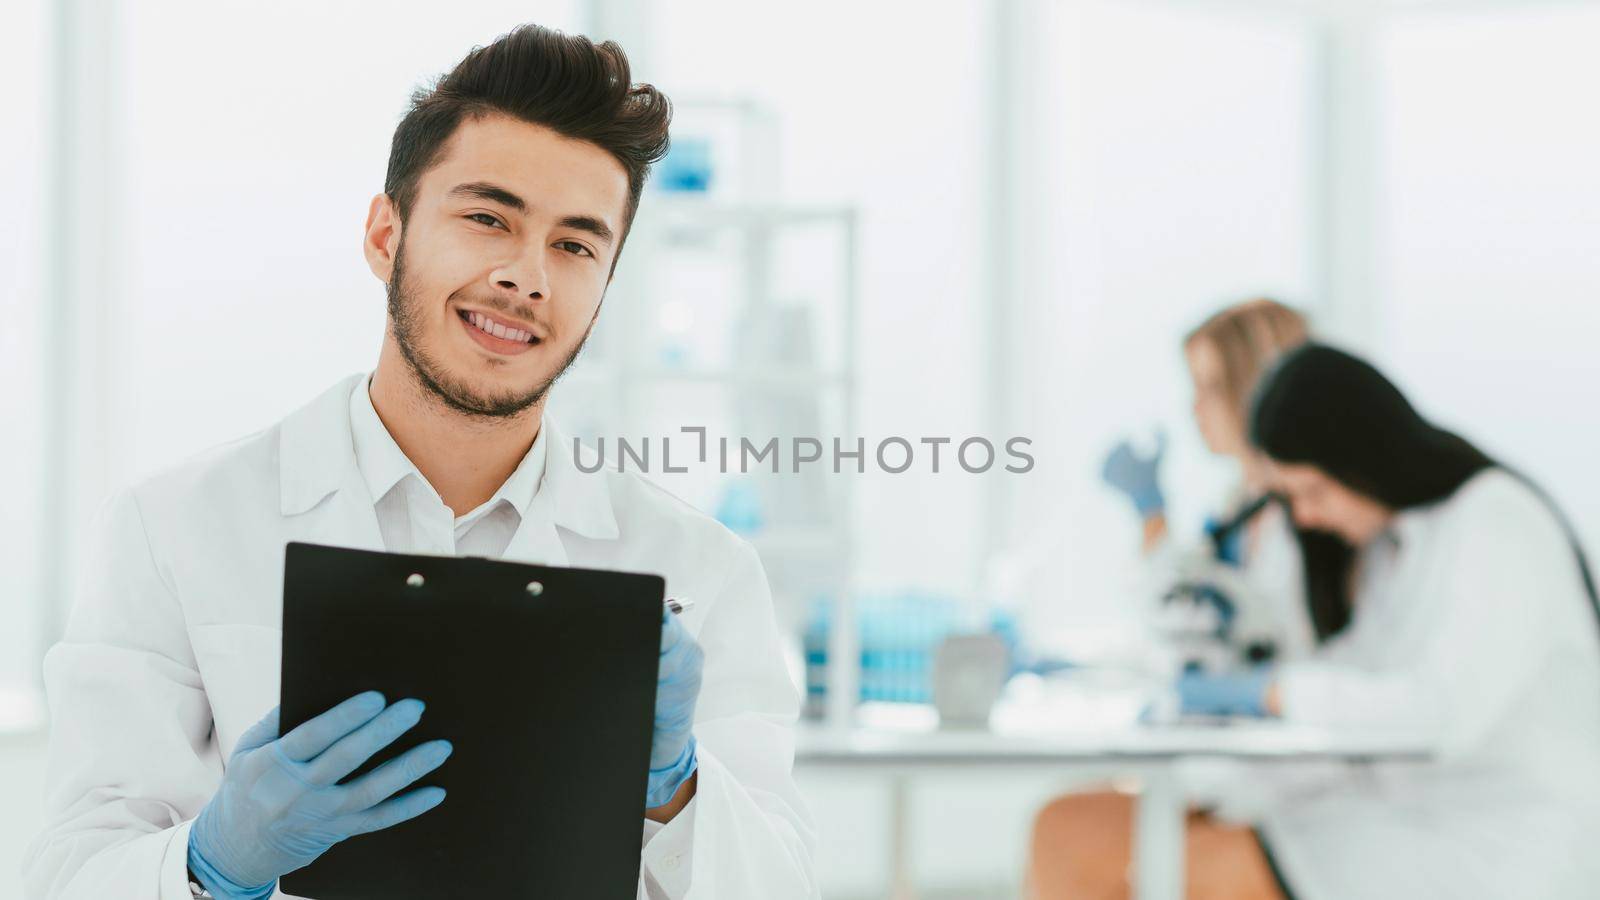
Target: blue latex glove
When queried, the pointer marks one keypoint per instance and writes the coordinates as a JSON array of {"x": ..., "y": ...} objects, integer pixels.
[
  {"x": 673, "y": 757},
  {"x": 1224, "y": 695},
  {"x": 280, "y": 805},
  {"x": 1136, "y": 476}
]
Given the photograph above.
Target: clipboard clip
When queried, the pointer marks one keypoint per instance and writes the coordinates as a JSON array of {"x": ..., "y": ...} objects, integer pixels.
[{"x": 675, "y": 605}]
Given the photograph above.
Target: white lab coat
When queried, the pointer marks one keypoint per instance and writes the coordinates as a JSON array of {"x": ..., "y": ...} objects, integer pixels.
[
  {"x": 173, "y": 647},
  {"x": 1471, "y": 622}
]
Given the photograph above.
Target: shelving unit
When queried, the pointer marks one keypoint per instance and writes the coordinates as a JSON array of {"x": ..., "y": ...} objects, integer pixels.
[{"x": 629, "y": 361}]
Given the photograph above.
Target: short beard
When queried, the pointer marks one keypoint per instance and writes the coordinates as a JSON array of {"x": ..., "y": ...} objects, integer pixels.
[{"x": 403, "y": 313}]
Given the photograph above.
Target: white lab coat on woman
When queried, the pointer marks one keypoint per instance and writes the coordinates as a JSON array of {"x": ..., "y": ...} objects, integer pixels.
[
  {"x": 173, "y": 650},
  {"x": 1471, "y": 622}
]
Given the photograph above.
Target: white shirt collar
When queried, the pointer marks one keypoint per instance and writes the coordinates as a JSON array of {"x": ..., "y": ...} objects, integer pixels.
[{"x": 383, "y": 464}]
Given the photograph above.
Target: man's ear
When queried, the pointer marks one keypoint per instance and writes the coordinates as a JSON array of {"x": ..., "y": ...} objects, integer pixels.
[{"x": 382, "y": 237}]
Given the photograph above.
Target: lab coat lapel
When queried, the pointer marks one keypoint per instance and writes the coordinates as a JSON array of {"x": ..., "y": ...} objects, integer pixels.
[
  {"x": 536, "y": 540},
  {"x": 569, "y": 501},
  {"x": 348, "y": 519},
  {"x": 317, "y": 459}
]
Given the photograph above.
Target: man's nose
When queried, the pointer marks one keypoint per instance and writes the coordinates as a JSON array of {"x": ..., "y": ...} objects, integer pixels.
[{"x": 523, "y": 276}]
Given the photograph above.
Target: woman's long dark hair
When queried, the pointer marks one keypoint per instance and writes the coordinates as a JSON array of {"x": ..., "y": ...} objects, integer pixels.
[{"x": 1323, "y": 407}]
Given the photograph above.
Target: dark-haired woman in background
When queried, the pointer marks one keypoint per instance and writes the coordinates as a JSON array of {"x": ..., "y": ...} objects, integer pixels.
[{"x": 1450, "y": 596}]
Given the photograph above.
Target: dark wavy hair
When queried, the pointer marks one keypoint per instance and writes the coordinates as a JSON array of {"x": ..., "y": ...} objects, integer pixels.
[
  {"x": 1323, "y": 407},
  {"x": 566, "y": 83}
]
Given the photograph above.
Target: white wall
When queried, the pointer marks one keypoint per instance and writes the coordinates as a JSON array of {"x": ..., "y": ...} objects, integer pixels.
[
  {"x": 1492, "y": 235},
  {"x": 24, "y": 62},
  {"x": 1172, "y": 178}
]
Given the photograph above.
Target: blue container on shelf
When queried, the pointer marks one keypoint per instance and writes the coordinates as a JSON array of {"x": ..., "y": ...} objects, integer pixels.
[
  {"x": 687, "y": 167},
  {"x": 814, "y": 643},
  {"x": 739, "y": 507}
]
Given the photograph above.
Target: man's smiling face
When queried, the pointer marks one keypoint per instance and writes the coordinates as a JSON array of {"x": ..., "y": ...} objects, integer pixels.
[{"x": 502, "y": 262}]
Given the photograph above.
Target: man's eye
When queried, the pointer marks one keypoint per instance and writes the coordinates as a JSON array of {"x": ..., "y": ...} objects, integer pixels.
[
  {"x": 481, "y": 217},
  {"x": 574, "y": 247}
]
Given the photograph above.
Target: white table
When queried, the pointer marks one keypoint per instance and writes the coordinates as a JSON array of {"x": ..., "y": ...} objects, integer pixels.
[{"x": 1147, "y": 752}]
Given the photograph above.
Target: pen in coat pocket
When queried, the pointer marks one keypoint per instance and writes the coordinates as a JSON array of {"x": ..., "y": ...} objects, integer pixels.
[{"x": 678, "y": 605}]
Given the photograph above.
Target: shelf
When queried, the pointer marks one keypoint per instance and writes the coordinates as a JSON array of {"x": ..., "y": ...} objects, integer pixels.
[
  {"x": 771, "y": 376},
  {"x": 685, "y": 211},
  {"x": 740, "y": 247},
  {"x": 795, "y": 540}
]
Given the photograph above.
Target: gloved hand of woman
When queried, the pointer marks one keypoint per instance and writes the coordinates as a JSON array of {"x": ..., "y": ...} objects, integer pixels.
[
  {"x": 1242, "y": 694},
  {"x": 1137, "y": 476}
]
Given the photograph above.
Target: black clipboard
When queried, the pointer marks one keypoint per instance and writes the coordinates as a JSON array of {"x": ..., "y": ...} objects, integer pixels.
[{"x": 543, "y": 678}]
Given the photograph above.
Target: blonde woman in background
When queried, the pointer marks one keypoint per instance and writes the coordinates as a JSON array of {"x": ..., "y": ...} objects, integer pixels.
[
  {"x": 1248, "y": 558},
  {"x": 1246, "y": 570}
]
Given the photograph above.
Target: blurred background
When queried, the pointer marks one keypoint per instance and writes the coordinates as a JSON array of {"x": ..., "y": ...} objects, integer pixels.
[{"x": 964, "y": 218}]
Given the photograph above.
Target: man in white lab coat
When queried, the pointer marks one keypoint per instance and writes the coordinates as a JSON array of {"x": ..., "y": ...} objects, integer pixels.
[{"x": 511, "y": 187}]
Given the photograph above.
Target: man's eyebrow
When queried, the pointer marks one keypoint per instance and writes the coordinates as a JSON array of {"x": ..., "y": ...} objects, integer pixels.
[
  {"x": 483, "y": 190},
  {"x": 594, "y": 226},
  {"x": 494, "y": 193}
]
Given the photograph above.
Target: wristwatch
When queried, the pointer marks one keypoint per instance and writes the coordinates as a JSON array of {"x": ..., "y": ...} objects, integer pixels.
[{"x": 196, "y": 892}]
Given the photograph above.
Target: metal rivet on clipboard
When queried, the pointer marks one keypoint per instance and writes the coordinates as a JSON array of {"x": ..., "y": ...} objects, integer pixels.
[
  {"x": 535, "y": 588},
  {"x": 414, "y": 579}
]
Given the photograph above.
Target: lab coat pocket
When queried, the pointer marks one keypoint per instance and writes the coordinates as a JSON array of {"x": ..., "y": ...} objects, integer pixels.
[{"x": 239, "y": 666}]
